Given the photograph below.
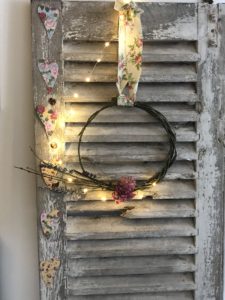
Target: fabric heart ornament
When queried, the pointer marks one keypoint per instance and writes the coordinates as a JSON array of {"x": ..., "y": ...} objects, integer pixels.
[
  {"x": 49, "y": 72},
  {"x": 48, "y": 175},
  {"x": 48, "y": 270},
  {"x": 50, "y": 222},
  {"x": 48, "y": 116},
  {"x": 49, "y": 17}
]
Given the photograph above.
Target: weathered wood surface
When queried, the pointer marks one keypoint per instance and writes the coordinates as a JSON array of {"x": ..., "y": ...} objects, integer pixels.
[
  {"x": 210, "y": 148},
  {"x": 128, "y": 133},
  {"x": 121, "y": 152},
  {"x": 140, "y": 170},
  {"x": 152, "y": 52},
  {"x": 177, "y": 189},
  {"x": 135, "y": 209},
  {"x": 142, "y": 296},
  {"x": 151, "y": 72},
  {"x": 135, "y": 247},
  {"x": 100, "y": 22},
  {"x": 174, "y": 113},
  {"x": 130, "y": 265},
  {"x": 130, "y": 284},
  {"x": 81, "y": 228},
  {"x": 52, "y": 247},
  {"x": 151, "y": 92}
]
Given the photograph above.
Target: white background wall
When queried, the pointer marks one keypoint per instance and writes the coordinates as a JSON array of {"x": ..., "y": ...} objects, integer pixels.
[{"x": 18, "y": 237}]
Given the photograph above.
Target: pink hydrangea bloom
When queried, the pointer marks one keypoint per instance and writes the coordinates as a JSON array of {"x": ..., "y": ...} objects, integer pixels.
[{"x": 124, "y": 189}]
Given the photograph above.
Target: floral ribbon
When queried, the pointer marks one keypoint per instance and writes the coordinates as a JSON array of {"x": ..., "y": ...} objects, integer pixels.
[{"x": 130, "y": 51}]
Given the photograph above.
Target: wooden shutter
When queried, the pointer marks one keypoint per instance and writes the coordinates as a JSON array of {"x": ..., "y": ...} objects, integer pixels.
[{"x": 169, "y": 244}]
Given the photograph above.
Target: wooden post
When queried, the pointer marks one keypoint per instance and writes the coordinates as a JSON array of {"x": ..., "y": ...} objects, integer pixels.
[{"x": 44, "y": 49}]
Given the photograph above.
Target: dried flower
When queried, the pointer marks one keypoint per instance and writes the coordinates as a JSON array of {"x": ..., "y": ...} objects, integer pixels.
[{"x": 124, "y": 189}]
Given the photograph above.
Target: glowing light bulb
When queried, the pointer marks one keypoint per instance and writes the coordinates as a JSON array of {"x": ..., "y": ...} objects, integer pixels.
[
  {"x": 87, "y": 79},
  {"x": 85, "y": 190},
  {"x": 62, "y": 123},
  {"x": 71, "y": 112},
  {"x": 75, "y": 95},
  {"x": 107, "y": 44},
  {"x": 103, "y": 199},
  {"x": 154, "y": 184},
  {"x": 60, "y": 162},
  {"x": 121, "y": 17},
  {"x": 69, "y": 179},
  {"x": 99, "y": 60}
]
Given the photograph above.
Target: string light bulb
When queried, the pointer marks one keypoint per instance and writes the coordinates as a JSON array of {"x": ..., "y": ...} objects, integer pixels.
[
  {"x": 103, "y": 199},
  {"x": 85, "y": 190},
  {"x": 87, "y": 79},
  {"x": 107, "y": 44},
  {"x": 69, "y": 179},
  {"x": 154, "y": 184},
  {"x": 60, "y": 162},
  {"x": 99, "y": 60},
  {"x": 75, "y": 95},
  {"x": 71, "y": 112}
]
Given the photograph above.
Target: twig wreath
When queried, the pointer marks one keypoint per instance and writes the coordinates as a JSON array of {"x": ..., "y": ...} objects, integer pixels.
[{"x": 62, "y": 179}]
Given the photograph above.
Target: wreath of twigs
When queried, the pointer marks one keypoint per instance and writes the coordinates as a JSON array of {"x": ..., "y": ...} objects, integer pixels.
[
  {"x": 140, "y": 185},
  {"x": 84, "y": 178}
]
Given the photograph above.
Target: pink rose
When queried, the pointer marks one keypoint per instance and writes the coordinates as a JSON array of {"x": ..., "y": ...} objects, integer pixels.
[
  {"x": 48, "y": 126},
  {"x": 40, "y": 109},
  {"x": 139, "y": 43},
  {"x": 138, "y": 59},
  {"x": 50, "y": 23},
  {"x": 42, "y": 16},
  {"x": 54, "y": 70},
  {"x": 54, "y": 115}
]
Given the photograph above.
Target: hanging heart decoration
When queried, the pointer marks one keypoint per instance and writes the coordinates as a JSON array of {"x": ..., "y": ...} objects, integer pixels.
[
  {"x": 48, "y": 270},
  {"x": 50, "y": 222},
  {"x": 49, "y": 72},
  {"x": 48, "y": 175},
  {"x": 48, "y": 116},
  {"x": 49, "y": 17}
]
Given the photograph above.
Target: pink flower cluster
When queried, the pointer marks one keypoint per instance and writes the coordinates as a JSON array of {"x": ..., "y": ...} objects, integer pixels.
[{"x": 124, "y": 189}]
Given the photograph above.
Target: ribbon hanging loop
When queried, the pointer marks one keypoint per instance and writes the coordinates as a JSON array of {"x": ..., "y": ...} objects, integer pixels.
[{"x": 130, "y": 51}]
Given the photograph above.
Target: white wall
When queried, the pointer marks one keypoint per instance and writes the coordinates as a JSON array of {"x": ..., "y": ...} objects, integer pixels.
[{"x": 18, "y": 237}]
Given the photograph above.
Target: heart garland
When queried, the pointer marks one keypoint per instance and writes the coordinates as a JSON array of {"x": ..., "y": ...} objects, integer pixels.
[
  {"x": 49, "y": 17},
  {"x": 50, "y": 222},
  {"x": 49, "y": 72},
  {"x": 48, "y": 115},
  {"x": 48, "y": 270}
]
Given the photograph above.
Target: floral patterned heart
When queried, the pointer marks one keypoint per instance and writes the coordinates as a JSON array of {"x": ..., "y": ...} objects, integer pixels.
[
  {"x": 49, "y": 17},
  {"x": 49, "y": 72},
  {"x": 48, "y": 116},
  {"x": 48, "y": 269},
  {"x": 50, "y": 222},
  {"x": 48, "y": 175}
]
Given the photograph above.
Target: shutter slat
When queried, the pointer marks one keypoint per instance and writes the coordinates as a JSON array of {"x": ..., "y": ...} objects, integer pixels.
[
  {"x": 176, "y": 189},
  {"x": 134, "y": 209},
  {"x": 139, "y": 170},
  {"x": 104, "y": 92},
  {"x": 152, "y": 52},
  {"x": 78, "y": 21},
  {"x": 136, "y": 296},
  {"x": 129, "y": 265},
  {"x": 130, "y": 247},
  {"x": 128, "y": 133},
  {"x": 81, "y": 228},
  {"x": 120, "y": 152},
  {"x": 152, "y": 72},
  {"x": 79, "y": 113},
  {"x": 130, "y": 284}
]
